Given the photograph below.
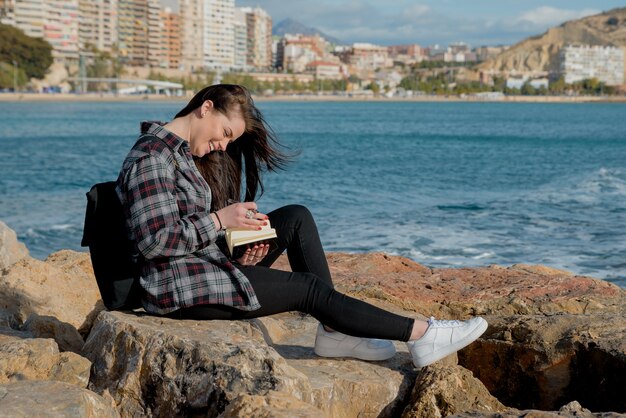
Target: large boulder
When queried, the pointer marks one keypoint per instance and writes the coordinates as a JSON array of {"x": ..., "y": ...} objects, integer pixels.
[
  {"x": 461, "y": 292},
  {"x": 543, "y": 362},
  {"x": 273, "y": 405},
  {"x": 65, "y": 335},
  {"x": 23, "y": 357},
  {"x": 342, "y": 387},
  {"x": 11, "y": 250},
  {"x": 51, "y": 399},
  {"x": 63, "y": 286},
  {"x": 164, "y": 367},
  {"x": 572, "y": 409},
  {"x": 442, "y": 390}
]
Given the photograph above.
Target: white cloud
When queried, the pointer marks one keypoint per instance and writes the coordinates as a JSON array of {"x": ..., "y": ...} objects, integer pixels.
[{"x": 546, "y": 16}]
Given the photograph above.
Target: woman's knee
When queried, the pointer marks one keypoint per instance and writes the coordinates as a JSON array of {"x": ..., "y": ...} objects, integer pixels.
[{"x": 297, "y": 214}]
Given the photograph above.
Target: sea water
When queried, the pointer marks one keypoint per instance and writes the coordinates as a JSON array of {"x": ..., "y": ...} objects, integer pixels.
[{"x": 445, "y": 184}]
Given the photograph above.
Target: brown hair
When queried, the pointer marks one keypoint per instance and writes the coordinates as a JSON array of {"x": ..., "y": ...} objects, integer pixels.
[{"x": 257, "y": 149}]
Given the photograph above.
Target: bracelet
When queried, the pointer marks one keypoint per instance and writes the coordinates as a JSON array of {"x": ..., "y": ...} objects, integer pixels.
[{"x": 220, "y": 221}]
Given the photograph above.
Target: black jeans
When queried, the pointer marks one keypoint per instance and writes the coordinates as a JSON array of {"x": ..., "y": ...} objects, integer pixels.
[{"x": 308, "y": 289}]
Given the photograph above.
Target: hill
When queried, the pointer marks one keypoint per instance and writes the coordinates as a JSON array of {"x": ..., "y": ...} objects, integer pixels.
[
  {"x": 293, "y": 26},
  {"x": 540, "y": 53}
]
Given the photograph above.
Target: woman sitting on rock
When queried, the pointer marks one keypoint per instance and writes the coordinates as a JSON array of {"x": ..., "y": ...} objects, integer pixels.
[{"x": 177, "y": 216}]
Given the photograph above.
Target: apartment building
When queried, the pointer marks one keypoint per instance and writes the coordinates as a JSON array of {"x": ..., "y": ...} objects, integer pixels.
[
  {"x": 580, "y": 62},
  {"x": 133, "y": 31},
  {"x": 219, "y": 34},
  {"x": 325, "y": 70},
  {"x": 364, "y": 58},
  {"x": 408, "y": 54},
  {"x": 259, "y": 37},
  {"x": 97, "y": 24},
  {"x": 7, "y": 12},
  {"x": 241, "y": 40},
  {"x": 55, "y": 21},
  {"x": 171, "y": 38},
  {"x": 191, "y": 39},
  {"x": 157, "y": 47},
  {"x": 295, "y": 52}
]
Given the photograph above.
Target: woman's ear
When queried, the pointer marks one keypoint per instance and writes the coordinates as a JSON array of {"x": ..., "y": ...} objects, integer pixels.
[{"x": 207, "y": 107}]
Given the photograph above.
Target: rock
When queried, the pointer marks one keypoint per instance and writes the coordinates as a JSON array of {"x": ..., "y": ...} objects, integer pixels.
[
  {"x": 442, "y": 390},
  {"x": 164, "y": 367},
  {"x": 64, "y": 334},
  {"x": 51, "y": 399},
  {"x": 572, "y": 409},
  {"x": 11, "y": 250},
  {"x": 7, "y": 320},
  {"x": 273, "y": 405},
  {"x": 63, "y": 287},
  {"x": 25, "y": 358},
  {"x": 463, "y": 292},
  {"x": 342, "y": 387},
  {"x": 545, "y": 361},
  {"x": 158, "y": 366}
]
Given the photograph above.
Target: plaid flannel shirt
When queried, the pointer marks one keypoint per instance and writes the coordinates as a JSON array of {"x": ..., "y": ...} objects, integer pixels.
[{"x": 167, "y": 205}]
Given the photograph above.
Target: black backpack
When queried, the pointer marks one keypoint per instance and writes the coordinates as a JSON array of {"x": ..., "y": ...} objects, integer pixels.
[{"x": 116, "y": 261}]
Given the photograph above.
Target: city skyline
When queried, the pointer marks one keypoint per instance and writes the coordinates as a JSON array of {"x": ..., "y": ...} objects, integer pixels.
[{"x": 482, "y": 22}]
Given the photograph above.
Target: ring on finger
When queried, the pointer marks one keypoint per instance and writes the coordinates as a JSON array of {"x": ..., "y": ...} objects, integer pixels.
[{"x": 250, "y": 214}]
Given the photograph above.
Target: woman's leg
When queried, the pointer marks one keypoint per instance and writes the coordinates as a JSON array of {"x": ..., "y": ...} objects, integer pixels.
[
  {"x": 297, "y": 233},
  {"x": 280, "y": 291}
]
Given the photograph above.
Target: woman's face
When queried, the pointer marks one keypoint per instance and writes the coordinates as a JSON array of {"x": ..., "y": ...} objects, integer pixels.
[{"x": 215, "y": 130}]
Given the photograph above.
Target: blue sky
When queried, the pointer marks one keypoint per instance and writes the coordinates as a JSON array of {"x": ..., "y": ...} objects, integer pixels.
[{"x": 477, "y": 22}]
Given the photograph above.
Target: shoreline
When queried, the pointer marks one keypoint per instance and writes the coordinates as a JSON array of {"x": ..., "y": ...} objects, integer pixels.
[{"x": 61, "y": 97}]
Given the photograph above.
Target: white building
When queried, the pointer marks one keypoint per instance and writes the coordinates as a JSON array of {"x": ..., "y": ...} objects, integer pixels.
[
  {"x": 259, "y": 28},
  {"x": 580, "y": 62},
  {"x": 191, "y": 39},
  {"x": 56, "y": 21},
  {"x": 97, "y": 24},
  {"x": 219, "y": 34},
  {"x": 241, "y": 40}
]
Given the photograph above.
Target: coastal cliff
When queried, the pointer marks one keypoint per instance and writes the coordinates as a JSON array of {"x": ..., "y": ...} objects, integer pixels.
[
  {"x": 541, "y": 53},
  {"x": 556, "y": 346}
]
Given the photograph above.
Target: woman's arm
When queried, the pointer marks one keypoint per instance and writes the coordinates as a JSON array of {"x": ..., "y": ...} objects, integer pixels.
[{"x": 159, "y": 229}]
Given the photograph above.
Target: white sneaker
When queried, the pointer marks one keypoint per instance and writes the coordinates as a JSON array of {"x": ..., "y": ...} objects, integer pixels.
[
  {"x": 336, "y": 344},
  {"x": 443, "y": 338}
]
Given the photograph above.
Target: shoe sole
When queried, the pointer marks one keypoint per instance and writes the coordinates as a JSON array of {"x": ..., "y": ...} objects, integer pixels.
[
  {"x": 453, "y": 348},
  {"x": 332, "y": 353}
]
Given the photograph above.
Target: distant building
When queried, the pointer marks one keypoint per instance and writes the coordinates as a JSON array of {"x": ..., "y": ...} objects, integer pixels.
[
  {"x": 191, "y": 30},
  {"x": 364, "y": 58},
  {"x": 519, "y": 81},
  {"x": 408, "y": 54},
  {"x": 580, "y": 62},
  {"x": 157, "y": 42},
  {"x": 459, "y": 52},
  {"x": 297, "y": 51},
  {"x": 171, "y": 38},
  {"x": 241, "y": 40},
  {"x": 325, "y": 70},
  {"x": 219, "y": 35},
  {"x": 136, "y": 30},
  {"x": 55, "y": 21},
  {"x": 259, "y": 28},
  {"x": 97, "y": 24}
]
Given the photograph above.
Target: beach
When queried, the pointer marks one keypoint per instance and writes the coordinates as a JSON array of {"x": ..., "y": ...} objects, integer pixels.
[{"x": 62, "y": 97}]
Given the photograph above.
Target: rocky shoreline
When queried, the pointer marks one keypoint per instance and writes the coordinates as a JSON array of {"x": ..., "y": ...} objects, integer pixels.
[{"x": 555, "y": 347}]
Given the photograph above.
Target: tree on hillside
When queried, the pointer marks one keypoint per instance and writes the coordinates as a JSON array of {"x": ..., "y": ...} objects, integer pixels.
[{"x": 33, "y": 55}]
